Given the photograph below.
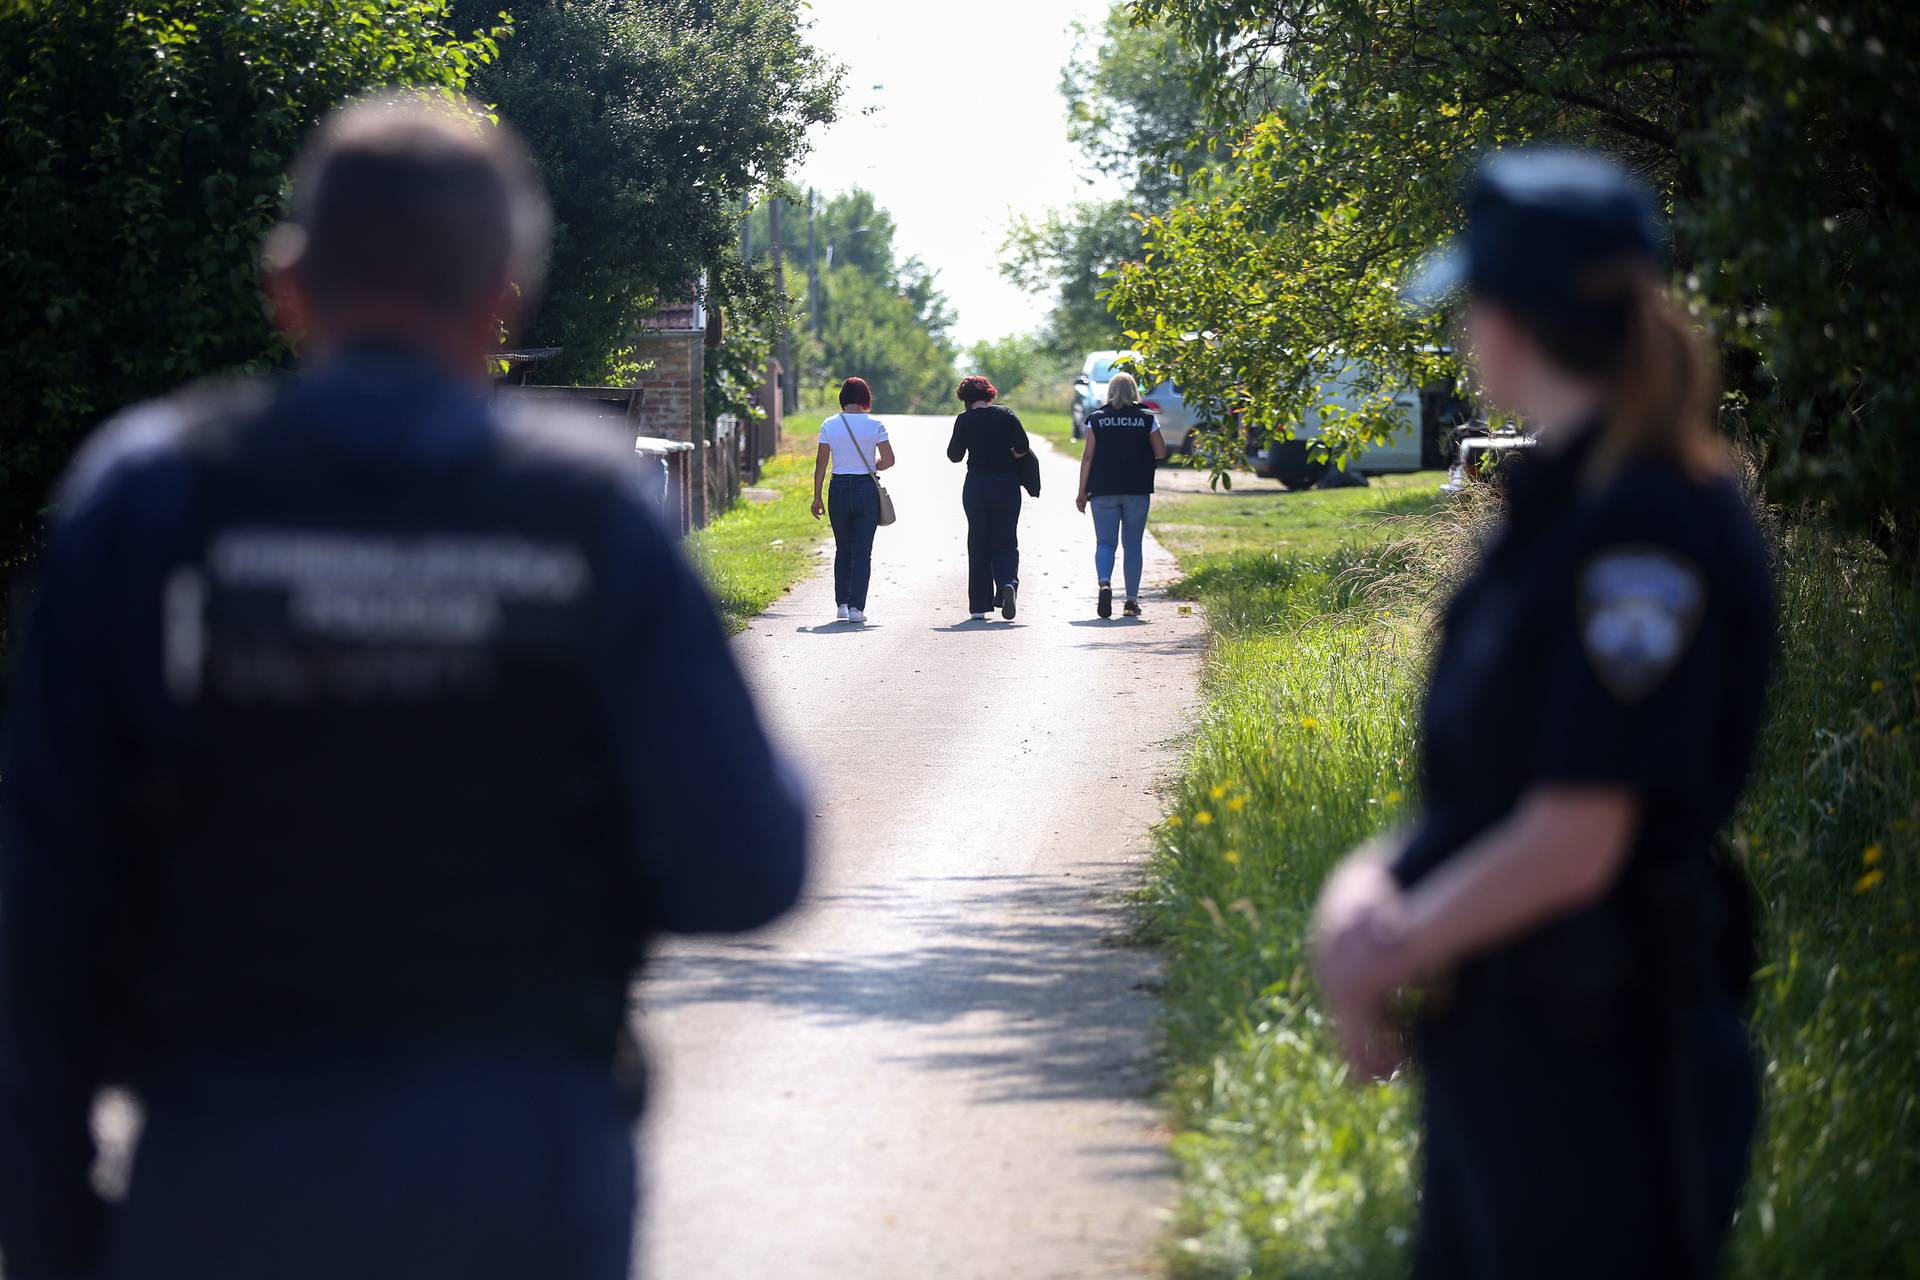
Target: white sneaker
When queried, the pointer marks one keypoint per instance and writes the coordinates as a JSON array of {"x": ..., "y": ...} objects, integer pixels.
[
  {"x": 840, "y": 614},
  {"x": 978, "y": 617},
  {"x": 854, "y": 615}
]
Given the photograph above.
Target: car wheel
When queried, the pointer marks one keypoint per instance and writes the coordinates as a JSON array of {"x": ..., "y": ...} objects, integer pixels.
[{"x": 1295, "y": 478}]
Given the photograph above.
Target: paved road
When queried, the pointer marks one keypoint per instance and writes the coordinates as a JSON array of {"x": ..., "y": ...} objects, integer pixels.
[{"x": 937, "y": 1068}]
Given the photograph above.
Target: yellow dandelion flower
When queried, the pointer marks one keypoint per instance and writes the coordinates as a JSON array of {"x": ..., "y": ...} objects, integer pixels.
[
  {"x": 1173, "y": 820},
  {"x": 1236, "y": 804},
  {"x": 1871, "y": 854},
  {"x": 1232, "y": 856},
  {"x": 1203, "y": 818},
  {"x": 1218, "y": 793},
  {"x": 1878, "y": 685},
  {"x": 1393, "y": 797},
  {"x": 1869, "y": 881},
  {"x": 1308, "y": 722}
]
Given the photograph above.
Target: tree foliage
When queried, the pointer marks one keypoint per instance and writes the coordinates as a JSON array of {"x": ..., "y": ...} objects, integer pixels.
[
  {"x": 1782, "y": 139},
  {"x": 1134, "y": 113},
  {"x": 142, "y": 153},
  {"x": 653, "y": 123}
]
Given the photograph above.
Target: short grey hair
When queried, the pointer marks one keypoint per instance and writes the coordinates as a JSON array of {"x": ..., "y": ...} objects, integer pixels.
[
  {"x": 1122, "y": 389},
  {"x": 415, "y": 198}
]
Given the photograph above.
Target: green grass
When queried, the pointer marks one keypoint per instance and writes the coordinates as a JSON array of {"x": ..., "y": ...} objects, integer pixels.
[
  {"x": 1306, "y": 746},
  {"x": 758, "y": 550},
  {"x": 1202, "y": 527}
]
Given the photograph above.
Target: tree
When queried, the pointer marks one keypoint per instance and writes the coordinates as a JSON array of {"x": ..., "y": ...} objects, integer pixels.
[
  {"x": 653, "y": 123},
  {"x": 1805, "y": 235},
  {"x": 870, "y": 313},
  {"x": 1132, "y": 110},
  {"x": 1782, "y": 138},
  {"x": 143, "y": 149},
  {"x": 1022, "y": 364}
]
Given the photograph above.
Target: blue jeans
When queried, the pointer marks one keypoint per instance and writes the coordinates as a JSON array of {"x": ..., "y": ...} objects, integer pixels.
[
  {"x": 1120, "y": 517},
  {"x": 853, "y": 508}
]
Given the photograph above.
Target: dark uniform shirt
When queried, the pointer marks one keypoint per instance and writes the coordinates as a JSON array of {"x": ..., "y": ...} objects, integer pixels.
[
  {"x": 988, "y": 437},
  {"x": 1589, "y": 1093},
  {"x": 1616, "y": 634},
  {"x": 354, "y": 713},
  {"x": 1123, "y": 460}
]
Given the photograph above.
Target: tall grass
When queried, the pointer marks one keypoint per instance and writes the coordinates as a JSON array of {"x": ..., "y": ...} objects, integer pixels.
[{"x": 1307, "y": 746}]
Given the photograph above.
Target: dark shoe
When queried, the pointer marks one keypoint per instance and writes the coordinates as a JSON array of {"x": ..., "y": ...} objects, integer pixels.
[
  {"x": 1106, "y": 601},
  {"x": 1131, "y": 608},
  {"x": 1006, "y": 602}
]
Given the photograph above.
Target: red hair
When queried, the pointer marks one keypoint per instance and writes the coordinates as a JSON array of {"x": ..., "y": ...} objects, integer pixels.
[
  {"x": 976, "y": 390},
  {"x": 855, "y": 391}
]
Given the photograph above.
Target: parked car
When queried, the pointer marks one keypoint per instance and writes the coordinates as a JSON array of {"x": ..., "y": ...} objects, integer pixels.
[
  {"x": 1298, "y": 463},
  {"x": 1163, "y": 401}
]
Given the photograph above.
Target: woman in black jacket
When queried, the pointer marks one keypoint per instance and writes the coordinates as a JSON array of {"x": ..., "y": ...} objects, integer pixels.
[{"x": 992, "y": 442}]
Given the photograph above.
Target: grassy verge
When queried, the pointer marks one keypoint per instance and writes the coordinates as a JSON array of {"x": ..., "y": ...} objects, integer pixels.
[
  {"x": 758, "y": 550},
  {"x": 1306, "y": 746},
  {"x": 1055, "y": 425}
]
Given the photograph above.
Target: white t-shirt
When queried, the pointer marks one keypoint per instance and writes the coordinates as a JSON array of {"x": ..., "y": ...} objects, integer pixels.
[{"x": 866, "y": 428}]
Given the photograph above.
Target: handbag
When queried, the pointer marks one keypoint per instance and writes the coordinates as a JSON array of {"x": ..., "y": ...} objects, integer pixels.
[{"x": 886, "y": 499}]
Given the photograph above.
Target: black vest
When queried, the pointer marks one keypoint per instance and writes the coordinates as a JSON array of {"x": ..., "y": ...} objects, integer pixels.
[{"x": 393, "y": 818}]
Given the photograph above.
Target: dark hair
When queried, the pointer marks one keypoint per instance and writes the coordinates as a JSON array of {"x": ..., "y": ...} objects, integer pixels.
[
  {"x": 416, "y": 200},
  {"x": 855, "y": 391},
  {"x": 976, "y": 390},
  {"x": 1628, "y": 335}
]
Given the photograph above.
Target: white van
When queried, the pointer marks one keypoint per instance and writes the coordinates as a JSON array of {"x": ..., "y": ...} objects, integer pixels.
[{"x": 1296, "y": 466}]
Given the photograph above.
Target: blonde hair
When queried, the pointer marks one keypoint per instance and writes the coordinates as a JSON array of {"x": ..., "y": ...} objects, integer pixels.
[{"x": 1122, "y": 389}]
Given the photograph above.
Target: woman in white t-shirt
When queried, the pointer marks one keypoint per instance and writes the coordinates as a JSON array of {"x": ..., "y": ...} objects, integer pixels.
[{"x": 854, "y": 444}]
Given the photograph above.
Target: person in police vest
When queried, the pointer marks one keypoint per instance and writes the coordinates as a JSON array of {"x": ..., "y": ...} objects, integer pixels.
[
  {"x": 1123, "y": 447},
  {"x": 1590, "y": 1091},
  {"x": 364, "y": 734}
]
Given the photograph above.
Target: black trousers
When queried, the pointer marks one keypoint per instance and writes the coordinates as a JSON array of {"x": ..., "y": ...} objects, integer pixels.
[
  {"x": 992, "y": 502},
  {"x": 1581, "y": 1161}
]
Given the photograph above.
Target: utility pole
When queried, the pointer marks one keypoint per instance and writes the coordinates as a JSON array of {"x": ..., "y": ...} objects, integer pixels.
[
  {"x": 777, "y": 247},
  {"x": 813, "y": 269}
]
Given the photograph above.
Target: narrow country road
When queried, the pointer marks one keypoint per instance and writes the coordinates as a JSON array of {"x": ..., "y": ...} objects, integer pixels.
[{"x": 937, "y": 1068}]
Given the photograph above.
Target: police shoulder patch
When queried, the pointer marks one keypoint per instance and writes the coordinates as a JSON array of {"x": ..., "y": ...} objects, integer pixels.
[{"x": 1639, "y": 608}]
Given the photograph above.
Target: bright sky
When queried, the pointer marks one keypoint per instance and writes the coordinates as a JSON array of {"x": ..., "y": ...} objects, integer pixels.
[{"x": 952, "y": 117}]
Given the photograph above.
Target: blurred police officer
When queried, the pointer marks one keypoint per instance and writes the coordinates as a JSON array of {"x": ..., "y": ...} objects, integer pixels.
[
  {"x": 364, "y": 732},
  {"x": 1590, "y": 1093}
]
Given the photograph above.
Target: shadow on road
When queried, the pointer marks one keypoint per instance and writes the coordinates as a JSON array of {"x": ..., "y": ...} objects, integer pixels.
[{"x": 1046, "y": 955}]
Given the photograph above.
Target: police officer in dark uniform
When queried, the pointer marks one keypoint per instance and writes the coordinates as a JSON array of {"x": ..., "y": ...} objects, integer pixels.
[
  {"x": 1590, "y": 1092},
  {"x": 364, "y": 733}
]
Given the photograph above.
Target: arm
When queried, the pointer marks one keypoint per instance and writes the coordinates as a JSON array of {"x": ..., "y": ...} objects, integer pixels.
[
  {"x": 61, "y": 885},
  {"x": 1158, "y": 441},
  {"x": 1021, "y": 445},
  {"x": 720, "y": 832},
  {"x": 957, "y": 446},
  {"x": 1562, "y": 849},
  {"x": 822, "y": 459},
  {"x": 883, "y": 456},
  {"x": 1086, "y": 470}
]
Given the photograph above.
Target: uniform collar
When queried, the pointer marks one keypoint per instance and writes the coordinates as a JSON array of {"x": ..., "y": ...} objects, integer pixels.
[
  {"x": 1548, "y": 474},
  {"x": 388, "y": 400}
]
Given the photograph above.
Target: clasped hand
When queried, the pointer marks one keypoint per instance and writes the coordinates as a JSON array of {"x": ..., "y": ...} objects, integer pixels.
[{"x": 1359, "y": 936}]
